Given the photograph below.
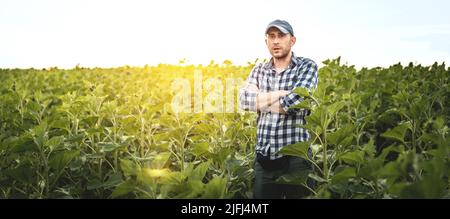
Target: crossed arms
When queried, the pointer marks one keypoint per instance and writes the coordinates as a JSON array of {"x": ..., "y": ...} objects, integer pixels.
[
  {"x": 263, "y": 101},
  {"x": 251, "y": 98}
]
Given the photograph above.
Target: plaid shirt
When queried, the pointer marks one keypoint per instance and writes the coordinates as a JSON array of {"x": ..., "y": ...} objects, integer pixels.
[{"x": 278, "y": 130}]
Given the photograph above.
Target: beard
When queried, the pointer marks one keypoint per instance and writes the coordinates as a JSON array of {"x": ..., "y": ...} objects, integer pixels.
[{"x": 279, "y": 54}]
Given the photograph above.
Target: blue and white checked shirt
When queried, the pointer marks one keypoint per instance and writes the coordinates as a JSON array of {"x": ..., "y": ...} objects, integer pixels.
[{"x": 277, "y": 130}]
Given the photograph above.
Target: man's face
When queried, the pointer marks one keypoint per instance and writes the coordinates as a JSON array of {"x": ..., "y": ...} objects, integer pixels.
[{"x": 279, "y": 43}]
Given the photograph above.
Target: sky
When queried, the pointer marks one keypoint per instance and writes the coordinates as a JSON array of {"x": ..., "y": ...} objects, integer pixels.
[{"x": 112, "y": 33}]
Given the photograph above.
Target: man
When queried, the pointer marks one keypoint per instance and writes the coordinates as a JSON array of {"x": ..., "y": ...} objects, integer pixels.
[{"x": 268, "y": 92}]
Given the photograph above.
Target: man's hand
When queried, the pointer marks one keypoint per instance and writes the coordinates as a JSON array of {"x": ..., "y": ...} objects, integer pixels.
[{"x": 276, "y": 107}]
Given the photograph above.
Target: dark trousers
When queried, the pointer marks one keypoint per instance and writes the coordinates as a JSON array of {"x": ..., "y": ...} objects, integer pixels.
[{"x": 265, "y": 186}]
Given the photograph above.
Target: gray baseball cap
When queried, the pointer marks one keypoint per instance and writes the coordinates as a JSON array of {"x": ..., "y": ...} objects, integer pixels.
[{"x": 282, "y": 25}]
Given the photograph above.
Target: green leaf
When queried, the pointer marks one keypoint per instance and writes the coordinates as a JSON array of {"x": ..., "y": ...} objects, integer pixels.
[
  {"x": 193, "y": 189},
  {"x": 61, "y": 124},
  {"x": 343, "y": 136},
  {"x": 40, "y": 129},
  {"x": 353, "y": 157},
  {"x": 94, "y": 184},
  {"x": 390, "y": 170},
  {"x": 173, "y": 178},
  {"x": 343, "y": 175},
  {"x": 369, "y": 148},
  {"x": 392, "y": 148},
  {"x": 305, "y": 104},
  {"x": 215, "y": 188},
  {"x": 109, "y": 146},
  {"x": 40, "y": 134},
  {"x": 302, "y": 91},
  {"x": 431, "y": 187},
  {"x": 91, "y": 131},
  {"x": 199, "y": 172},
  {"x": 297, "y": 178},
  {"x": 22, "y": 144},
  {"x": 90, "y": 120},
  {"x": 335, "y": 107},
  {"x": 318, "y": 120},
  {"x": 396, "y": 189},
  {"x": 55, "y": 142},
  {"x": 397, "y": 133},
  {"x": 124, "y": 188},
  {"x": 160, "y": 160},
  {"x": 113, "y": 180},
  {"x": 439, "y": 123},
  {"x": 128, "y": 167},
  {"x": 428, "y": 138},
  {"x": 76, "y": 138},
  {"x": 299, "y": 149},
  {"x": 59, "y": 160},
  {"x": 188, "y": 168},
  {"x": 24, "y": 174},
  {"x": 200, "y": 148}
]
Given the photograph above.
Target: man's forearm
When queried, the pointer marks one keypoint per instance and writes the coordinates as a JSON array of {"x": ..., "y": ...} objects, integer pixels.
[
  {"x": 265, "y": 100},
  {"x": 269, "y": 102}
]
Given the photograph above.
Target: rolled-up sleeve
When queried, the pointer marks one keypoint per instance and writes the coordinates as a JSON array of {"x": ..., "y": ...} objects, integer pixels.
[
  {"x": 247, "y": 96},
  {"x": 308, "y": 79}
]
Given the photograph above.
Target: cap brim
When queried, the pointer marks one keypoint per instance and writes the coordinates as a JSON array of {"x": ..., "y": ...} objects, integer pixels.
[{"x": 278, "y": 27}]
